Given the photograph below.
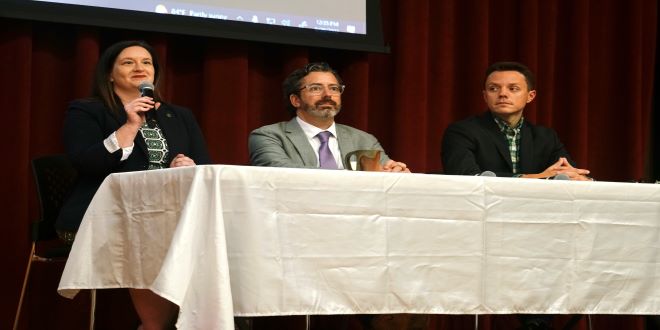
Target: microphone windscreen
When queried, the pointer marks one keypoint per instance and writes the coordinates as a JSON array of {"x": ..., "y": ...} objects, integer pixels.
[
  {"x": 561, "y": 176},
  {"x": 146, "y": 89},
  {"x": 488, "y": 173}
]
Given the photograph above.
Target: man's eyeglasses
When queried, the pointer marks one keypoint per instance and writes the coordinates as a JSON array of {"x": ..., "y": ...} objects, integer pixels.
[{"x": 317, "y": 89}]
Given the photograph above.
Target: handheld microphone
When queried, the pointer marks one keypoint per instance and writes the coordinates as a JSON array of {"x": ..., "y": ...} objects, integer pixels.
[
  {"x": 487, "y": 173},
  {"x": 147, "y": 89}
]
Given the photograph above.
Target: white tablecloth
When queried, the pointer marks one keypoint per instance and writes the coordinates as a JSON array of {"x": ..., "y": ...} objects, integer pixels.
[{"x": 232, "y": 240}]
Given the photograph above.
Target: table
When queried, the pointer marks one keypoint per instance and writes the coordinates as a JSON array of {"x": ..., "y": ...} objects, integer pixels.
[{"x": 221, "y": 240}]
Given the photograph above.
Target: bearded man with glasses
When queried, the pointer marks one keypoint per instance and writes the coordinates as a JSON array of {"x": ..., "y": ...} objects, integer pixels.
[{"x": 312, "y": 139}]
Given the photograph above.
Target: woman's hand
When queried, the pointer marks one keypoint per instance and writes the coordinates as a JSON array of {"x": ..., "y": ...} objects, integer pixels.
[
  {"x": 182, "y": 160},
  {"x": 136, "y": 110},
  {"x": 135, "y": 114}
]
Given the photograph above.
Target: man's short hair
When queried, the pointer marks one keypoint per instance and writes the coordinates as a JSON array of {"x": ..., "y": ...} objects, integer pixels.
[
  {"x": 291, "y": 84},
  {"x": 512, "y": 66}
]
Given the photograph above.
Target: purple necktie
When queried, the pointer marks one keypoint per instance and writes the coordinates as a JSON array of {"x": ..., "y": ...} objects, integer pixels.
[{"x": 326, "y": 159}]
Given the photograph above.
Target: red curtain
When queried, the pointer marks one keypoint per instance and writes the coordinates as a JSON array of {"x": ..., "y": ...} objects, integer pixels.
[{"x": 594, "y": 62}]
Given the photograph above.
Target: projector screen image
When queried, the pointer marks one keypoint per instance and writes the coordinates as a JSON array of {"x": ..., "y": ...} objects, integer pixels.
[
  {"x": 345, "y": 16},
  {"x": 338, "y": 24}
]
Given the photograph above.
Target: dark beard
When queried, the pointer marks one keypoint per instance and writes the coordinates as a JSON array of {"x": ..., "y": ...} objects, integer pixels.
[{"x": 325, "y": 112}]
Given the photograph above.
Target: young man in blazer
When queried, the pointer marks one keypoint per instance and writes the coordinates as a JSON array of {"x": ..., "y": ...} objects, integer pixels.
[{"x": 501, "y": 140}]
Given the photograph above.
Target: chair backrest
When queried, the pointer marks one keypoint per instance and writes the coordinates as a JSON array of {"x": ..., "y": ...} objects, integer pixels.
[{"x": 54, "y": 176}]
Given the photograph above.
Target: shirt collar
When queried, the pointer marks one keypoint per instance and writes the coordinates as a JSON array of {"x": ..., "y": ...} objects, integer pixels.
[
  {"x": 311, "y": 131},
  {"x": 505, "y": 127}
]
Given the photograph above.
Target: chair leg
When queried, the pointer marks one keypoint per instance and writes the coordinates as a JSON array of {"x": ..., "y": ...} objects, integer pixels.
[
  {"x": 25, "y": 280},
  {"x": 92, "y": 308}
]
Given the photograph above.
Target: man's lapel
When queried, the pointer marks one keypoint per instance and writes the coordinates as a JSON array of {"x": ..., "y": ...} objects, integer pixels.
[
  {"x": 345, "y": 141},
  {"x": 299, "y": 140},
  {"x": 526, "y": 151},
  {"x": 501, "y": 144}
]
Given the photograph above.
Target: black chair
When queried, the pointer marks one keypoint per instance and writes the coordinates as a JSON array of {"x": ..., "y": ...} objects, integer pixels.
[{"x": 54, "y": 177}]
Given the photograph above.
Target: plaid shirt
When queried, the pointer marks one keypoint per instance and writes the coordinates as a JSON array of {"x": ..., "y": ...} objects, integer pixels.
[{"x": 513, "y": 137}]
